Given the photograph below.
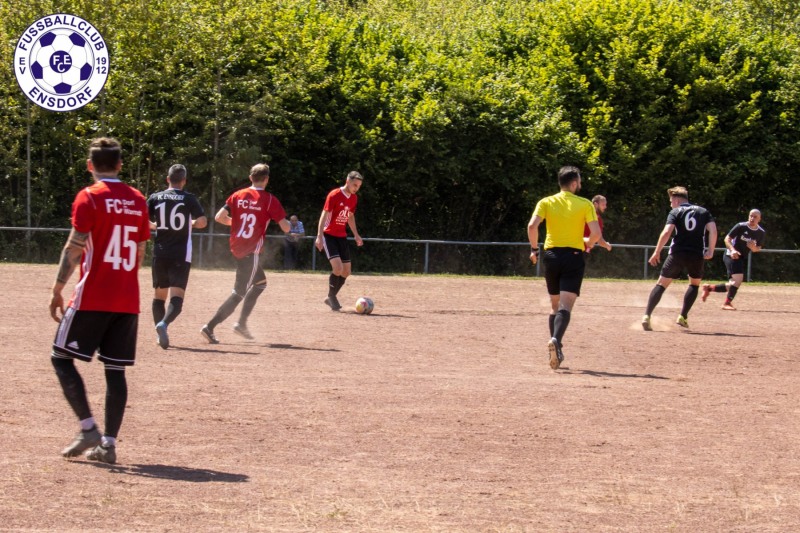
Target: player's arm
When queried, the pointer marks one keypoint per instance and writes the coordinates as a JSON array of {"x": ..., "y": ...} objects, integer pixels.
[
  {"x": 533, "y": 236},
  {"x": 711, "y": 228},
  {"x": 729, "y": 245},
  {"x": 594, "y": 234},
  {"x": 224, "y": 216},
  {"x": 200, "y": 222},
  {"x": 284, "y": 225},
  {"x": 662, "y": 240},
  {"x": 351, "y": 221},
  {"x": 323, "y": 218},
  {"x": 140, "y": 249},
  {"x": 70, "y": 259}
]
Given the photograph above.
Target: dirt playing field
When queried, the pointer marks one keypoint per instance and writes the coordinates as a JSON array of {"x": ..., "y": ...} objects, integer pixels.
[{"x": 437, "y": 413}]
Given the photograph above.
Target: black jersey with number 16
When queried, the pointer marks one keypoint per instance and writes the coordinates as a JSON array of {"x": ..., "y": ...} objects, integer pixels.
[
  {"x": 690, "y": 228},
  {"x": 172, "y": 211}
]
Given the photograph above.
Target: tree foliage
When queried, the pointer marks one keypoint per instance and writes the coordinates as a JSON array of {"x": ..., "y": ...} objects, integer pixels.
[{"x": 457, "y": 112}]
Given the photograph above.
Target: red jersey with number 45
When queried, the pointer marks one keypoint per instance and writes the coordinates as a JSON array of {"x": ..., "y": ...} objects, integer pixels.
[
  {"x": 114, "y": 215},
  {"x": 341, "y": 206},
  {"x": 251, "y": 210}
]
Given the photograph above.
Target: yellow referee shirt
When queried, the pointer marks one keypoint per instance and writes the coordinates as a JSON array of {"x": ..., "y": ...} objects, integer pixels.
[{"x": 565, "y": 215}]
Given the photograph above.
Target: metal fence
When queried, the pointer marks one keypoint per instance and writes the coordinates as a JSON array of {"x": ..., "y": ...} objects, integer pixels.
[{"x": 416, "y": 256}]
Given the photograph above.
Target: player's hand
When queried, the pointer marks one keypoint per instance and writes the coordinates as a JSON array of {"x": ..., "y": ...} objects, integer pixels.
[
  {"x": 56, "y": 305},
  {"x": 359, "y": 240},
  {"x": 708, "y": 253},
  {"x": 735, "y": 254},
  {"x": 318, "y": 243},
  {"x": 655, "y": 259},
  {"x": 535, "y": 257},
  {"x": 752, "y": 245},
  {"x": 607, "y": 246}
]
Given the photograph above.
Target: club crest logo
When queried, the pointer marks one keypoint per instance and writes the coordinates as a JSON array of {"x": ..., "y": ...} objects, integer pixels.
[{"x": 61, "y": 62}]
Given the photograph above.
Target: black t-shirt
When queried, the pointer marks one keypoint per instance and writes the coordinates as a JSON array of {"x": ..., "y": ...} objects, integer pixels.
[
  {"x": 690, "y": 228},
  {"x": 741, "y": 234},
  {"x": 173, "y": 210}
]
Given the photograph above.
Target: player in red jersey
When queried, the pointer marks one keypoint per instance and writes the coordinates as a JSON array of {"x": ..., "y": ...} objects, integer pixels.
[
  {"x": 248, "y": 212},
  {"x": 338, "y": 213},
  {"x": 110, "y": 229}
]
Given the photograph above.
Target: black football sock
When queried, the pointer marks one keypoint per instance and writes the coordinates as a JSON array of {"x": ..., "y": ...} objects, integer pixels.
[
  {"x": 225, "y": 310},
  {"x": 655, "y": 297},
  {"x": 116, "y": 397},
  {"x": 159, "y": 310},
  {"x": 722, "y": 287},
  {"x": 688, "y": 299},
  {"x": 333, "y": 281},
  {"x": 339, "y": 284},
  {"x": 250, "y": 302},
  {"x": 732, "y": 293},
  {"x": 73, "y": 387},
  {"x": 174, "y": 309},
  {"x": 551, "y": 321},
  {"x": 560, "y": 324}
]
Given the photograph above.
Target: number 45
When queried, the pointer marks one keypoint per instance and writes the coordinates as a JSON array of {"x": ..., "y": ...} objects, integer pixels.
[{"x": 120, "y": 241}]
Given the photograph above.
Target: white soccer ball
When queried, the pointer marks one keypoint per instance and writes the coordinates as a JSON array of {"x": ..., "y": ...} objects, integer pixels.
[
  {"x": 364, "y": 305},
  {"x": 61, "y": 61}
]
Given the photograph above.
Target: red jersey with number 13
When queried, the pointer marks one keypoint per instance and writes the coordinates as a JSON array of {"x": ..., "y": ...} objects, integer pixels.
[
  {"x": 114, "y": 215},
  {"x": 251, "y": 210},
  {"x": 341, "y": 206}
]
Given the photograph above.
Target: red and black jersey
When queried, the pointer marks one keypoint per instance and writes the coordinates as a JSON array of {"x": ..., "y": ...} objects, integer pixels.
[
  {"x": 341, "y": 205},
  {"x": 114, "y": 215},
  {"x": 251, "y": 210}
]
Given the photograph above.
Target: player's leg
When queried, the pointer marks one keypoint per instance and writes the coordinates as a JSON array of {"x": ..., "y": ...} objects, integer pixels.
[
  {"x": 669, "y": 271},
  {"x": 694, "y": 266},
  {"x": 117, "y": 351},
  {"x": 244, "y": 272},
  {"x": 161, "y": 289},
  {"x": 346, "y": 268},
  {"x": 178, "y": 280},
  {"x": 77, "y": 337},
  {"x": 736, "y": 273},
  {"x": 256, "y": 288},
  {"x": 332, "y": 247}
]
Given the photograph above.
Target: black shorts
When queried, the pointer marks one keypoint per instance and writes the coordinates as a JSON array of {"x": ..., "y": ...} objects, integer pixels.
[
  {"x": 676, "y": 263},
  {"x": 112, "y": 335},
  {"x": 733, "y": 266},
  {"x": 563, "y": 270},
  {"x": 170, "y": 273},
  {"x": 248, "y": 273},
  {"x": 336, "y": 247}
]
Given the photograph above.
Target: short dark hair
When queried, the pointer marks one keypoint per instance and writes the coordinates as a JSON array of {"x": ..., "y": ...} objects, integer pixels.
[
  {"x": 678, "y": 191},
  {"x": 567, "y": 175},
  {"x": 260, "y": 171},
  {"x": 105, "y": 153},
  {"x": 176, "y": 174},
  {"x": 355, "y": 175}
]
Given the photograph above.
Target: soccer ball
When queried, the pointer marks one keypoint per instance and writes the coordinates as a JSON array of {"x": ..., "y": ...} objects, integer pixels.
[
  {"x": 61, "y": 61},
  {"x": 364, "y": 305}
]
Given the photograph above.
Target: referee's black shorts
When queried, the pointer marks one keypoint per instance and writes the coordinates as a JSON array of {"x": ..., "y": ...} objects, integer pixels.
[
  {"x": 677, "y": 262},
  {"x": 563, "y": 270}
]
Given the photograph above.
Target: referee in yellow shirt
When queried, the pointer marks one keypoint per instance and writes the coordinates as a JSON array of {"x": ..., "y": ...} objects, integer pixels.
[{"x": 565, "y": 214}]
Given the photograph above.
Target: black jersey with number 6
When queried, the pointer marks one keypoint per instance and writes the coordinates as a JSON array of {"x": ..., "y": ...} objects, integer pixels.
[
  {"x": 690, "y": 228},
  {"x": 172, "y": 211}
]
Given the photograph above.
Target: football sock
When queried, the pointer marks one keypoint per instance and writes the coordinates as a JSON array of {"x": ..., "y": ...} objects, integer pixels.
[
  {"x": 732, "y": 293},
  {"x": 339, "y": 284},
  {"x": 116, "y": 397},
  {"x": 159, "y": 310},
  {"x": 107, "y": 441},
  {"x": 688, "y": 299},
  {"x": 655, "y": 297},
  {"x": 722, "y": 287},
  {"x": 73, "y": 387},
  {"x": 250, "y": 302},
  {"x": 333, "y": 281},
  {"x": 88, "y": 423},
  {"x": 174, "y": 309},
  {"x": 551, "y": 320},
  {"x": 225, "y": 310},
  {"x": 560, "y": 323}
]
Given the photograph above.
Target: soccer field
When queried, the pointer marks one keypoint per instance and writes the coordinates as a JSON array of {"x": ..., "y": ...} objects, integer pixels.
[{"x": 438, "y": 412}]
